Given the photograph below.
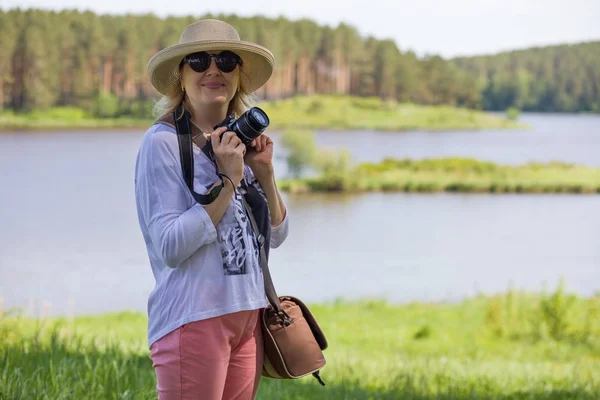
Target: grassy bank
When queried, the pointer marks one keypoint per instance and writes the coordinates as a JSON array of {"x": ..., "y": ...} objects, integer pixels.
[
  {"x": 322, "y": 112},
  {"x": 349, "y": 113},
  {"x": 66, "y": 118},
  {"x": 511, "y": 346},
  {"x": 447, "y": 175}
]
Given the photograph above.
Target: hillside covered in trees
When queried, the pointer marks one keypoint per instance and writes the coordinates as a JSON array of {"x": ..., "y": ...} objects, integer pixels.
[
  {"x": 92, "y": 61},
  {"x": 557, "y": 78}
]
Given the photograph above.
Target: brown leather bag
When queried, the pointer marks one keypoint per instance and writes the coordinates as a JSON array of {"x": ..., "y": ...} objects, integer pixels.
[
  {"x": 294, "y": 344},
  {"x": 293, "y": 340}
]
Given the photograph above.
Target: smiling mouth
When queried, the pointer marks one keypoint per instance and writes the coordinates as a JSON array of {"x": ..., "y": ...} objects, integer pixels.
[{"x": 213, "y": 85}]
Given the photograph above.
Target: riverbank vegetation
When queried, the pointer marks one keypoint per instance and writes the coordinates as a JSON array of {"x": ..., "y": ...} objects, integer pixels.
[
  {"x": 515, "y": 345},
  {"x": 322, "y": 170},
  {"x": 66, "y": 118},
  {"x": 315, "y": 112},
  {"x": 373, "y": 113}
]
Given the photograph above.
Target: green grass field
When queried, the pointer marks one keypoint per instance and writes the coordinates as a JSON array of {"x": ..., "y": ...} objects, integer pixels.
[
  {"x": 449, "y": 175},
  {"x": 322, "y": 112},
  {"x": 511, "y": 346}
]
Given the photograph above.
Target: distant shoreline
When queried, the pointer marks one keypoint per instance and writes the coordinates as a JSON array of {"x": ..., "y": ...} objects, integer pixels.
[
  {"x": 38, "y": 129},
  {"x": 338, "y": 113},
  {"x": 61, "y": 125}
]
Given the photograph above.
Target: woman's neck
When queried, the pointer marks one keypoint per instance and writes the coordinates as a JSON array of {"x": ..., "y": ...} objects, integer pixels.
[{"x": 206, "y": 117}]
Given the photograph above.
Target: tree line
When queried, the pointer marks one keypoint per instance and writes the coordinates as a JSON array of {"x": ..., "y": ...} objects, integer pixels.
[{"x": 98, "y": 63}]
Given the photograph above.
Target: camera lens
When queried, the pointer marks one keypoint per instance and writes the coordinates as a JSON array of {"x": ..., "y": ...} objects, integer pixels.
[
  {"x": 251, "y": 124},
  {"x": 258, "y": 119}
]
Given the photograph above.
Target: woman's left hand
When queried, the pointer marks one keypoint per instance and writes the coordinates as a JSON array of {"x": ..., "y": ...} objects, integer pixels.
[{"x": 259, "y": 156}]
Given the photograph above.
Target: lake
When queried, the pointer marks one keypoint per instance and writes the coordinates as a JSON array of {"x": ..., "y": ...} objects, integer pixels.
[{"x": 71, "y": 242}]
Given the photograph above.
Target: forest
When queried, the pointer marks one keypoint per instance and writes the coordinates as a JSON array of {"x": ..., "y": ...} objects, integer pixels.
[{"x": 98, "y": 63}]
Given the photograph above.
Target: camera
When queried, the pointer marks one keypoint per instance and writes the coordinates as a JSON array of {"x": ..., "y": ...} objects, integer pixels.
[{"x": 248, "y": 126}]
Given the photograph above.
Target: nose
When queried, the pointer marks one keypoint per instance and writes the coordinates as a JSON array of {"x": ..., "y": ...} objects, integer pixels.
[{"x": 212, "y": 68}]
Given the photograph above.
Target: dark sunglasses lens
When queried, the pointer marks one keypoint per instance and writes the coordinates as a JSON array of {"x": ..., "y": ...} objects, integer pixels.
[
  {"x": 199, "y": 62},
  {"x": 227, "y": 61}
]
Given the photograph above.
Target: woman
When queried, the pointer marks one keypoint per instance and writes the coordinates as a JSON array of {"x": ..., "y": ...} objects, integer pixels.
[{"x": 203, "y": 314}]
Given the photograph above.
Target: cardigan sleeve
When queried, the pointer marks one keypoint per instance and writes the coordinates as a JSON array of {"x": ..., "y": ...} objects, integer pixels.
[{"x": 177, "y": 226}]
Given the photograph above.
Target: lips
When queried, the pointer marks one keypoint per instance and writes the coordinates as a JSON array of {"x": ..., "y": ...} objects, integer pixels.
[{"x": 213, "y": 85}]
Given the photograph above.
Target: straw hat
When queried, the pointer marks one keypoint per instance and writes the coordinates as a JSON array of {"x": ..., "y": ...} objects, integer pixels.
[{"x": 210, "y": 35}]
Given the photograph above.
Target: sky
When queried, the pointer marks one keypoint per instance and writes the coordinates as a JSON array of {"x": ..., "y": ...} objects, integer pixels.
[{"x": 446, "y": 28}]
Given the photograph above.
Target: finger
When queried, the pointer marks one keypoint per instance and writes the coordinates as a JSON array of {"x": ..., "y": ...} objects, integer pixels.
[
  {"x": 241, "y": 148},
  {"x": 258, "y": 144},
  {"x": 235, "y": 141},
  {"x": 253, "y": 143},
  {"x": 265, "y": 140},
  {"x": 228, "y": 137},
  {"x": 215, "y": 136}
]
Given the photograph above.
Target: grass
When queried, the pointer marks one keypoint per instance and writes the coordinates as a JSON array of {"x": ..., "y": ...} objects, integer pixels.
[
  {"x": 450, "y": 175},
  {"x": 323, "y": 112},
  {"x": 510, "y": 346},
  {"x": 349, "y": 113},
  {"x": 66, "y": 118}
]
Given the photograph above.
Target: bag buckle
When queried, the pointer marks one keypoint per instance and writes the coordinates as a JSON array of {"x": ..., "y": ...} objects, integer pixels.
[{"x": 286, "y": 320}]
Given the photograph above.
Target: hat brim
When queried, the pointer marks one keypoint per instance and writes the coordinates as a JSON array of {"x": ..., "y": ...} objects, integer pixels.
[{"x": 257, "y": 63}]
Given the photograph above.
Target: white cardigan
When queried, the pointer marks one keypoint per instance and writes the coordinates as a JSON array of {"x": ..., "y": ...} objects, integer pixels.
[{"x": 200, "y": 271}]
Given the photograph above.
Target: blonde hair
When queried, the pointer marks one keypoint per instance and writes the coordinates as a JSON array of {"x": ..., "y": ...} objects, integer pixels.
[{"x": 242, "y": 100}]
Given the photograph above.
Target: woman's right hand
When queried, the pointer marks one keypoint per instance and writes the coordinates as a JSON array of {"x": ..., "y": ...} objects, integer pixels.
[{"x": 229, "y": 153}]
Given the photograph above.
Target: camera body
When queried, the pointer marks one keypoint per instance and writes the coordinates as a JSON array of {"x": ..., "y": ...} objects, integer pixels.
[{"x": 250, "y": 125}]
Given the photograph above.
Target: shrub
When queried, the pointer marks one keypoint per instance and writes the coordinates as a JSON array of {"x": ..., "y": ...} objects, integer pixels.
[
  {"x": 58, "y": 113},
  {"x": 558, "y": 315},
  {"x": 106, "y": 105},
  {"x": 512, "y": 113},
  {"x": 301, "y": 149},
  {"x": 335, "y": 168},
  {"x": 315, "y": 107},
  {"x": 555, "y": 311}
]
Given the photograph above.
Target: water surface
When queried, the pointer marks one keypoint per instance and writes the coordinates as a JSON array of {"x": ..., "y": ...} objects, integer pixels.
[{"x": 70, "y": 238}]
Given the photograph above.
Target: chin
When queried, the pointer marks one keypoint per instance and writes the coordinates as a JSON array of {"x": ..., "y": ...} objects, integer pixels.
[{"x": 215, "y": 100}]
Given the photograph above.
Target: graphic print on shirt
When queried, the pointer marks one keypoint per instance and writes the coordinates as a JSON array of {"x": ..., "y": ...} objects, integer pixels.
[{"x": 238, "y": 247}]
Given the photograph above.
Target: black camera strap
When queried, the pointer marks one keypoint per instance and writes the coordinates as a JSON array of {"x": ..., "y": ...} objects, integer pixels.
[{"x": 186, "y": 154}]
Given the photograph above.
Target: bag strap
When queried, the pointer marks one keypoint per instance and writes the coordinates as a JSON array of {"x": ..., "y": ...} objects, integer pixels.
[
  {"x": 269, "y": 287},
  {"x": 184, "y": 138}
]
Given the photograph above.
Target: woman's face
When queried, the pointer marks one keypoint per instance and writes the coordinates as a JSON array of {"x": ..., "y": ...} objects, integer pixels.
[{"x": 211, "y": 87}]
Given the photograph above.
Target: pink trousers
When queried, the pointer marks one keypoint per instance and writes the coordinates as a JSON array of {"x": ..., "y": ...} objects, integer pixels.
[{"x": 213, "y": 359}]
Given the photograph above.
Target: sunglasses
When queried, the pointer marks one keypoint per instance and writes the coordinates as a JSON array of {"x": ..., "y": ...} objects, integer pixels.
[{"x": 200, "y": 62}]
